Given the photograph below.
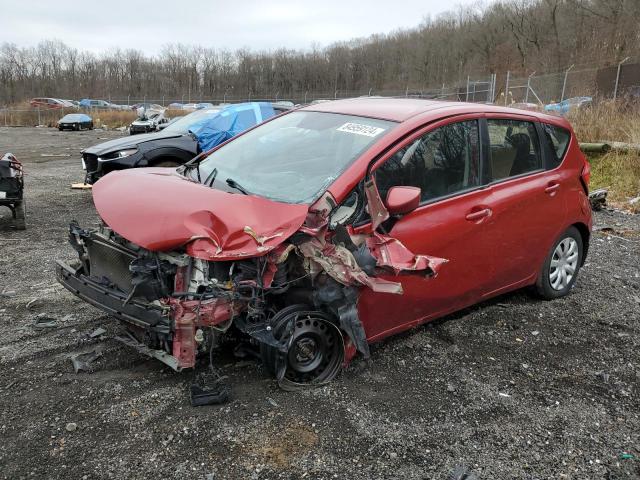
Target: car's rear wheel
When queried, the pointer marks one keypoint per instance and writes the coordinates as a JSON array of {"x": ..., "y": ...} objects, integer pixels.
[{"x": 560, "y": 269}]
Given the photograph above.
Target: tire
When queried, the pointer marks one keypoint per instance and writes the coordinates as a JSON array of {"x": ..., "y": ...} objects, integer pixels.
[
  {"x": 560, "y": 269},
  {"x": 19, "y": 221},
  {"x": 166, "y": 163}
]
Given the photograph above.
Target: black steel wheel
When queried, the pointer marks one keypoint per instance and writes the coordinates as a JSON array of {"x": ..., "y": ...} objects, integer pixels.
[{"x": 315, "y": 348}]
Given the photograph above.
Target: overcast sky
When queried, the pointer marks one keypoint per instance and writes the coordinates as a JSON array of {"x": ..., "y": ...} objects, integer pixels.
[{"x": 98, "y": 25}]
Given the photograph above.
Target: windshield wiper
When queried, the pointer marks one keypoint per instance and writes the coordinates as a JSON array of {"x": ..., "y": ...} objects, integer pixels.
[
  {"x": 211, "y": 177},
  {"x": 233, "y": 184}
]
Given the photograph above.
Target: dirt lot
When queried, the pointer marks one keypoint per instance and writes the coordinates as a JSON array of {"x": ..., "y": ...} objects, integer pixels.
[{"x": 514, "y": 388}]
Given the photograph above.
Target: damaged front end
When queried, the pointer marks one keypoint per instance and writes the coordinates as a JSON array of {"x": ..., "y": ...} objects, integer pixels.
[{"x": 290, "y": 291}]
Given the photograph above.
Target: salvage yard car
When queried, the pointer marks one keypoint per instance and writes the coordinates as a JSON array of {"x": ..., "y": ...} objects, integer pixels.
[
  {"x": 334, "y": 226},
  {"x": 178, "y": 142},
  {"x": 75, "y": 121},
  {"x": 148, "y": 121}
]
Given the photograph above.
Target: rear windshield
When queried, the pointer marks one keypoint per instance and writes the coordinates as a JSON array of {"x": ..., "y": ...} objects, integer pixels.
[{"x": 558, "y": 140}]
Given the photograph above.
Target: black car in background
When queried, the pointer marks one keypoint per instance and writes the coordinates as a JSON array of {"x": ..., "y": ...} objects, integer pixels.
[
  {"x": 75, "y": 121},
  {"x": 174, "y": 145}
]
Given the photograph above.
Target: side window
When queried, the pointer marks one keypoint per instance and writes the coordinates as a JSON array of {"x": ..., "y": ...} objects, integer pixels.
[
  {"x": 442, "y": 162},
  {"x": 514, "y": 148},
  {"x": 558, "y": 141}
]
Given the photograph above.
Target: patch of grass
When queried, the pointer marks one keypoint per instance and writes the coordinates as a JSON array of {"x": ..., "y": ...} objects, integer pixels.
[
  {"x": 617, "y": 171},
  {"x": 607, "y": 121}
]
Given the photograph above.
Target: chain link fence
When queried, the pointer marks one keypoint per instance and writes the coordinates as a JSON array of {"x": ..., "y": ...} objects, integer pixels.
[{"x": 619, "y": 81}]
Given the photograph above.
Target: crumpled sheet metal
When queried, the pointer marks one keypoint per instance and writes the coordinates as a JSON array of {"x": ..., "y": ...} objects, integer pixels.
[
  {"x": 391, "y": 253},
  {"x": 340, "y": 264}
]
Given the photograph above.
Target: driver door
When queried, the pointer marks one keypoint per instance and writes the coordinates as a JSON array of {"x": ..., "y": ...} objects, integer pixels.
[{"x": 451, "y": 222}]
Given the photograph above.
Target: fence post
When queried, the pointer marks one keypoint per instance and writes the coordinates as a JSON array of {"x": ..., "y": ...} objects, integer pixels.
[
  {"x": 370, "y": 91},
  {"x": 128, "y": 102},
  {"x": 526, "y": 97},
  {"x": 305, "y": 96},
  {"x": 615, "y": 90},
  {"x": 564, "y": 84},
  {"x": 163, "y": 100},
  {"x": 506, "y": 88},
  {"x": 466, "y": 99},
  {"x": 39, "y": 122}
]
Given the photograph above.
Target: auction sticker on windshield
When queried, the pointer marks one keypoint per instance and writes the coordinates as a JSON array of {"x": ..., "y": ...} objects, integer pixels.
[{"x": 360, "y": 129}]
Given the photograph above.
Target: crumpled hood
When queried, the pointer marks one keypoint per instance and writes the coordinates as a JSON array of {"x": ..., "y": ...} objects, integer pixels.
[
  {"x": 128, "y": 142},
  {"x": 160, "y": 210}
]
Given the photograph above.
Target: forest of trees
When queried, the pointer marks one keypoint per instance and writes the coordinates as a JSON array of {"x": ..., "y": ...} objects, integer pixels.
[{"x": 516, "y": 35}]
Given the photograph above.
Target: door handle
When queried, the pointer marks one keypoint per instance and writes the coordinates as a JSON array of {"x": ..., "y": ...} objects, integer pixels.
[
  {"x": 478, "y": 214},
  {"x": 552, "y": 188}
]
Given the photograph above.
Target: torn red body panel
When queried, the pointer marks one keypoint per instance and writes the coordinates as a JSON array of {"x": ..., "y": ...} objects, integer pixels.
[
  {"x": 338, "y": 262},
  {"x": 391, "y": 253},
  {"x": 174, "y": 212}
]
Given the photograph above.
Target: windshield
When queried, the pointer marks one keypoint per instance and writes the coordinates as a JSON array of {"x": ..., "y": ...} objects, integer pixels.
[
  {"x": 294, "y": 158},
  {"x": 184, "y": 124}
]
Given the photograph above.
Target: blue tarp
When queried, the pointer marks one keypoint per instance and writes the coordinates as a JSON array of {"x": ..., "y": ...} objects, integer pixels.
[{"x": 229, "y": 122}]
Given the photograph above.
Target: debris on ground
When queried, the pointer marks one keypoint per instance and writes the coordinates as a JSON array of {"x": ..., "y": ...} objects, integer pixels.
[
  {"x": 82, "y": 361},
  {"x": 43, "y": 321},
  {"x": 71, "y": 427},
  {"x": 462, "y": 473},
  {"x": 81, "y": 186},
  {"x": 598, "y": 198},
  {"x": 97, "y": 332},
  {"x": 209, "y": 388}
]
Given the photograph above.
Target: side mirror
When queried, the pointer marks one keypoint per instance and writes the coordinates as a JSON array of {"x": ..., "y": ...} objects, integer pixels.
[{"x": 401, "y": 200}]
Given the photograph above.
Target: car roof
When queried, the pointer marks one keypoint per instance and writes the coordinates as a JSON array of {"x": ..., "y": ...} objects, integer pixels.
[{"x": 403, "y": 109}]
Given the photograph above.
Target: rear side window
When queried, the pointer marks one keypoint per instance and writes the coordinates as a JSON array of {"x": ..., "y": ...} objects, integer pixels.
[
  {"x": 514, "y": 149},
  {"x": 558, "y": 140}
]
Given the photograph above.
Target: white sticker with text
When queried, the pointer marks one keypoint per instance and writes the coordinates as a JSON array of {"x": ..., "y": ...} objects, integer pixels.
[{"x": 360, "y": 129}]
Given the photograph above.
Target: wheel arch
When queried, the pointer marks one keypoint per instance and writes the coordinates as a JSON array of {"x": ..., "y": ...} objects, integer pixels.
[
  {"x": 586, "y": 236},
  {"x": 163, "y": 154}
]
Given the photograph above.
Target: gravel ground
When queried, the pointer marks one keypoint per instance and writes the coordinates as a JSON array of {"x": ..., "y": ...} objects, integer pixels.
[{"x": 512, "y": 388}]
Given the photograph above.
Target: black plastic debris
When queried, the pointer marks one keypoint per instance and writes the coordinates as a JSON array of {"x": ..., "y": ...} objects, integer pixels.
[
  {"x": 82, "y": 361},
  {"x": 209, "y": 389}
]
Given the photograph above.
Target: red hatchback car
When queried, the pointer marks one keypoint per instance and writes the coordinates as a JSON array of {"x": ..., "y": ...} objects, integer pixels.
[{"x": 333, "y": 226}]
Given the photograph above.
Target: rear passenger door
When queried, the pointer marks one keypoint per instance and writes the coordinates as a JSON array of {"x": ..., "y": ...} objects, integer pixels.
[{"x": 527, "y": 210}]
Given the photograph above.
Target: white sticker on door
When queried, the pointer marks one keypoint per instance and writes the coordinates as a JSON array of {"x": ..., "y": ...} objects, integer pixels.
[{"x": 360, "y": 129}]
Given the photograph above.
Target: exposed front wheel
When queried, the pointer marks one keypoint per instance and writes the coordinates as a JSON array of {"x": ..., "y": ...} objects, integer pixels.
[
  {"x": 314, "y": 348},
  {"x": 561, "y": 266}
]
